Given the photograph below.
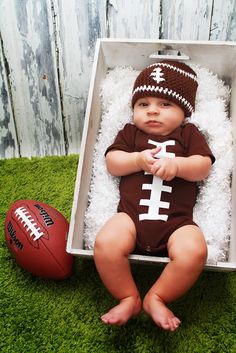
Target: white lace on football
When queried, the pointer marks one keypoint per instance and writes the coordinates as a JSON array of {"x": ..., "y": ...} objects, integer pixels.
[
  {"x": 29, "y": 223},
  {"x": 170, "y": 92},
  {"x": 174, "y": 68}
]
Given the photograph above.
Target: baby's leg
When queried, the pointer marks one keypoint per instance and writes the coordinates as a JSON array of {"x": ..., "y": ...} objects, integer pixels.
[
  {"x": 188, "y": 252},
  {"x": 113, "y": 244}
]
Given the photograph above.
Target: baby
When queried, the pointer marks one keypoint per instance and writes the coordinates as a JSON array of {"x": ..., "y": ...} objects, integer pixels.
[{"x": 160, "y": 158}]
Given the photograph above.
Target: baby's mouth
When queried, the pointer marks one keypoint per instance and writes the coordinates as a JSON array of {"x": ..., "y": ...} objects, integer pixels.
[{"x": 154, "y": 123}]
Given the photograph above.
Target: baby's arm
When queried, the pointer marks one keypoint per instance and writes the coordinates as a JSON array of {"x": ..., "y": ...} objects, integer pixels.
[
  {"x": 121, "y": 163},
  {"x": 193, "y": 168}
]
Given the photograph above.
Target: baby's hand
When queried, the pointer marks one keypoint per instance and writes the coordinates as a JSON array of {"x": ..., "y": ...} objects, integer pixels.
[
  {"x": 146, "y": 159},
  {"x": 165, "y": 168}
]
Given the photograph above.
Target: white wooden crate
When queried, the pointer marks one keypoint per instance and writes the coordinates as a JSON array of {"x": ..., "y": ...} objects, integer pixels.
[{"x": 219, "y": 57}]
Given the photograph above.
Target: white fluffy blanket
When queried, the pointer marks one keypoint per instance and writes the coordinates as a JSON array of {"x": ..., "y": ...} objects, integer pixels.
[{"x": 213, "y": 208}]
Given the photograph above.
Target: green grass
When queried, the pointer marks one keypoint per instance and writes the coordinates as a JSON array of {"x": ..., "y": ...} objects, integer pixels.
[{"x": 42, "y": 316}]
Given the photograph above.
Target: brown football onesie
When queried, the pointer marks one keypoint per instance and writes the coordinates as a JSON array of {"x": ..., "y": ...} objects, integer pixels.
[{"x": 159, "y": 207}]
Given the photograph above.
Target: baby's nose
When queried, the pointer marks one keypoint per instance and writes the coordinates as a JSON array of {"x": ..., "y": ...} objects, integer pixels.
[{"x": 153, "y": 109}]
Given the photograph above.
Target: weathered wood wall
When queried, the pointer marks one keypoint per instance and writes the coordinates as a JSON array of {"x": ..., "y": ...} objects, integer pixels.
[{"x": 46, "y": 54}]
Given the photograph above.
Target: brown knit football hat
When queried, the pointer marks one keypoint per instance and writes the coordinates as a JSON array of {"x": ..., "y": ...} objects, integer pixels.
[{"x": 172, "y": 80}]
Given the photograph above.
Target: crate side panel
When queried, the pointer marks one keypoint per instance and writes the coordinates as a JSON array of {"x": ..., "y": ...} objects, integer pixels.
[{"x": 91, "y": 127}]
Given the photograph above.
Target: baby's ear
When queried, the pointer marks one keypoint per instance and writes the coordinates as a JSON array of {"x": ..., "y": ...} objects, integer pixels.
[{"x": 184, "y": 122}]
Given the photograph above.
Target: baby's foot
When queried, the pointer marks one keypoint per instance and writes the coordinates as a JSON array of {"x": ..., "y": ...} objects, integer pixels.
[
  {"x": 161, "y": 315},
  {"x": 121, "y": 313}
]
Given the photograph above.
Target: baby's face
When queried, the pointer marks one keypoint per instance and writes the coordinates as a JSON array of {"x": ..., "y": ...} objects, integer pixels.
[{"x": 157, "y": 116}]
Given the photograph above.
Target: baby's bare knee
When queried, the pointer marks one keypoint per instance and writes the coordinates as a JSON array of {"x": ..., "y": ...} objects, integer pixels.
[
  {"x": 201, "y": 253},
  {"x": 194, "y": 256},
  {"x": 188, "y": 246},
  {"x": 102, "y": 243},
  {"x": 109, "y": 246}
]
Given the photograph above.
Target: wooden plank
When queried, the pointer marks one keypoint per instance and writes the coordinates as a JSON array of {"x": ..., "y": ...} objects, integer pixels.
[
  {"x": 223, "y": 25},
  {"x": 80, "y": 23},
  {"x": 186, "y": 19},
  {"x": 27, "y": 34},
  {"x": 8, "y": 138},
  {"x": 49, "y": 48},
  {"x": 134, "y": 19}
]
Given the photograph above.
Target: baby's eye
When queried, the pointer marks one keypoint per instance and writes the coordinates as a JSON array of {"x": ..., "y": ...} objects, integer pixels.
[
  {"x": 166, "y": 104},
  {"x": 143, "y": 104}
]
